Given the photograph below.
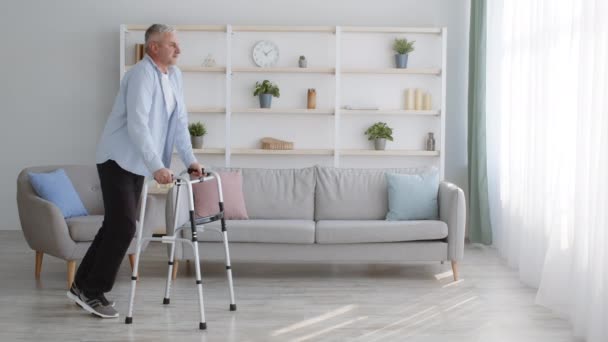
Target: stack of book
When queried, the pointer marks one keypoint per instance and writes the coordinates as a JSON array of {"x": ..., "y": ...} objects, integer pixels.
[
  {"x": 276, "y": 144},
  {"x": 139, "y": 52}
]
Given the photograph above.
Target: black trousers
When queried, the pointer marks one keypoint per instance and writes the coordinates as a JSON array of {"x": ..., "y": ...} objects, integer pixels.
[{"x": 121, "y": 190}]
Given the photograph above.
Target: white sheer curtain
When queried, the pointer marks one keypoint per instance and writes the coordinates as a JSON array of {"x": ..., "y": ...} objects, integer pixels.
[{"x": 547, "y": 121}]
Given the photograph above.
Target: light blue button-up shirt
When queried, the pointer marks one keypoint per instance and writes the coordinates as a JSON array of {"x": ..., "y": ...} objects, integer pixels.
[{"x": 140, "y": 134}]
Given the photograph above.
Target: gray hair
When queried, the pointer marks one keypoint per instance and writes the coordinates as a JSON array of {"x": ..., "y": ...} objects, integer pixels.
[{"x": 154, "y": 29}]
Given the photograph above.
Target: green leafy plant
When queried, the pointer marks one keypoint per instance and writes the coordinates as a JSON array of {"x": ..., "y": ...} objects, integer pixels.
[
  {"x": 379, "y": 130},
  {"x": 266, "y": 87},
  {"x": 197, "y": 129},
  {"x": 402, "y": 46}
]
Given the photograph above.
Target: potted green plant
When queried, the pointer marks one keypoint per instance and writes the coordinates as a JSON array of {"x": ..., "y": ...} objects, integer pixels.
[
  {"x": 402, "y": 47},
  {"x": 379, "y": 133},
  {"x": 197, "y": 131},
  {"x": 266, "y": 90}
]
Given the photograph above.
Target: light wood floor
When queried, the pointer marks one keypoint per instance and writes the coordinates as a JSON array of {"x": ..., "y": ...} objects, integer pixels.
[{"x": 282, "y": 302}]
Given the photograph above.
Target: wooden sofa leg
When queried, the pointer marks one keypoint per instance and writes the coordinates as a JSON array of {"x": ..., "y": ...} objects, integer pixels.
[
  {"x": 71, "y": 272},
  {"x": 39, "y": 256},
  {"x": 455, "y": 270},
  {"x": 174, "y": 273}
]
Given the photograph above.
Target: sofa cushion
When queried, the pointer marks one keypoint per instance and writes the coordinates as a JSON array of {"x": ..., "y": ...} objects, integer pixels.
[
  {"x": 84, "y": 228},
  {"x": 361, "y": 231},
  {"x": 269, "y": 231},
  {"x": 206, "y": 196},
  {"x": 279, "y": 194},
  {"x": 413, "y": 197},
  {"x": 56, "y": 187},
  {"x": 353, "y": 194}
]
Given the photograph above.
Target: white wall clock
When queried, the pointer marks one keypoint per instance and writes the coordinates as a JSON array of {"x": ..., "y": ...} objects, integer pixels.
[{"x": 265, "y": 53}]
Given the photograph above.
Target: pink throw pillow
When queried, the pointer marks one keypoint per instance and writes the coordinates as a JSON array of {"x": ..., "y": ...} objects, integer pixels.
[{"x": 206, "y": 197}]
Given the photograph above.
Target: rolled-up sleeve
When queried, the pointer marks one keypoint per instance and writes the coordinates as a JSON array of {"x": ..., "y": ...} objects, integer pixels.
[{"x": 139, "y": 103}]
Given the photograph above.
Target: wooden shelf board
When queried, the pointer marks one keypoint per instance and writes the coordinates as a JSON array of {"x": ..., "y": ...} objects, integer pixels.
[
  {"x": 209, "y": 151},
  {"x": 320, "y": 29},
  {"x": 191, "y": 68},
  {"x": 283, "y": 152},
  {"x": 390, "y": 112},
  {"x": 364, "y": 29},
  {"x": 284, "y": 111},
  {"x": 206, "y": 110},
  {"x": 421, "y": 71},
  {"x": 207, "y": 28},
  {"x": 414, "y": 153},
  {"x": 295, "y": 70}
]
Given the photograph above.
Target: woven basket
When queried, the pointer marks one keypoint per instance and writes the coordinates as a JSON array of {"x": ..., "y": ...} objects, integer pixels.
[{"x": 276, "y": 144}]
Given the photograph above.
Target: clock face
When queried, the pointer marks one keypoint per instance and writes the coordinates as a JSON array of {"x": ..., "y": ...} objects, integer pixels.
[{"x": 265, "y": 53}]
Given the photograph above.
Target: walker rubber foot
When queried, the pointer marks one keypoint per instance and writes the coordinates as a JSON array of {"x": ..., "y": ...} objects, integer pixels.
[
  {"x": 166, "y": 301},
  {"x": 202, "y": 326},
  {"x": 232, "y": 307},
  {"x": 128, "y": 320}
]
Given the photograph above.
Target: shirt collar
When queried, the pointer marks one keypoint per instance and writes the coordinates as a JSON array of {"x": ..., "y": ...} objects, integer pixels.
[{"x": 170, "y": 69}]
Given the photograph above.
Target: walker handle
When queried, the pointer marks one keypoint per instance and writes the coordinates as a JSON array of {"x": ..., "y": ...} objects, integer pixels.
[{"x": 191, "y": 171}]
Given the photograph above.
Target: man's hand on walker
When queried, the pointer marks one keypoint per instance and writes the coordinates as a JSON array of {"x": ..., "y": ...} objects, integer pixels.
[
  {"x": 163, "y": 176},
  {"x": 197, "y": 170}
]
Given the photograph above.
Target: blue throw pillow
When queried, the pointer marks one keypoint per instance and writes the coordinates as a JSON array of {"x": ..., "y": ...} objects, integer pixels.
[
  {"x": 57, "y": 188},
  {"x": 412, "y": 196}
]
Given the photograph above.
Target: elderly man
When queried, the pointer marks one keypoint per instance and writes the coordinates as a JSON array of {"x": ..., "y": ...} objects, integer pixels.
[{"x": 147, "y": 121}]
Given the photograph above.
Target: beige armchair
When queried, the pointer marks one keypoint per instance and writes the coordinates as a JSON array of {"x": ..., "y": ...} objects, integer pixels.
[{"x": 43, "y": 225}]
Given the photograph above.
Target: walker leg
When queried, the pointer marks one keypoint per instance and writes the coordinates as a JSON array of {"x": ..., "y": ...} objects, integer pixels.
[
  {"x": 228, "y": 266},
  {"x": 167, "y": 299},
  {"x": 199, "y": 284}
]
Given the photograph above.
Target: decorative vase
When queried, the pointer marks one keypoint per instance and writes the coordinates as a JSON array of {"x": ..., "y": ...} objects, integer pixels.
[
  {"x": 311, "y": 99},
  {"x": 265, "y": 100},
  {"x": 401, "y": 60},
  {"x": 380, "y": 144},
  {"x": 430, "y": 142},
  {"x": 197, "y": 142},
  {"x": 302, "y": 62}
]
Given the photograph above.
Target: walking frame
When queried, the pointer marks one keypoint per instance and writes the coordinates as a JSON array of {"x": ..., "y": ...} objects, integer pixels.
[{"x": 196, "y": 225}]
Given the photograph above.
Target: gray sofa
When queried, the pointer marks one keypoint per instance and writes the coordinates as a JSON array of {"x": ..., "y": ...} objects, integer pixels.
[
  {"x": 324, "y": 214},
  {"x": 45, "y": 229}
]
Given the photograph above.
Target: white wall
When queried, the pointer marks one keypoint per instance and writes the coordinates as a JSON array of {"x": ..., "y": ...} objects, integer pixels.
[{"x": 60, "y": 73}]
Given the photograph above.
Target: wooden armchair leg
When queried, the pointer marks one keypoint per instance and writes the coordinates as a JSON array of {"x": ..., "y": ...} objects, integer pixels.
[
  {"x": 39, "y": 256},
  {"x": 174, "y": 273},
  {"x": 71, "y": 272},
  {"x": 132, "y": 261},
  {"x": 455, "y": 270}
]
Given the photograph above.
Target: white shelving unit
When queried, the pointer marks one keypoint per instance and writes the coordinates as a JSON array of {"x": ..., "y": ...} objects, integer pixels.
[{"x": 343, "y": 74}]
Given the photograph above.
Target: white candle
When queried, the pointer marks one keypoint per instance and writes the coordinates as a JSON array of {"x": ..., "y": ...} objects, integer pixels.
[
  {"x": 418, "y": 105},
  {"x": 428, "y": 103},
  {"x": 409, "y": 103}
]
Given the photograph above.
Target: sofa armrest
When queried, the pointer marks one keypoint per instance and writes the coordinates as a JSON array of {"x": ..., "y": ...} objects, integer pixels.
[
  {"x": 44, "y": 227},
  {"x": 452, "y": 211}
]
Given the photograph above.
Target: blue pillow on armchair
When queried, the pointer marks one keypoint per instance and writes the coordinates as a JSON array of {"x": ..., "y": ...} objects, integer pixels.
[
  {"x": 57, "y": 188},
  {"x": 413, "y": 196}
]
